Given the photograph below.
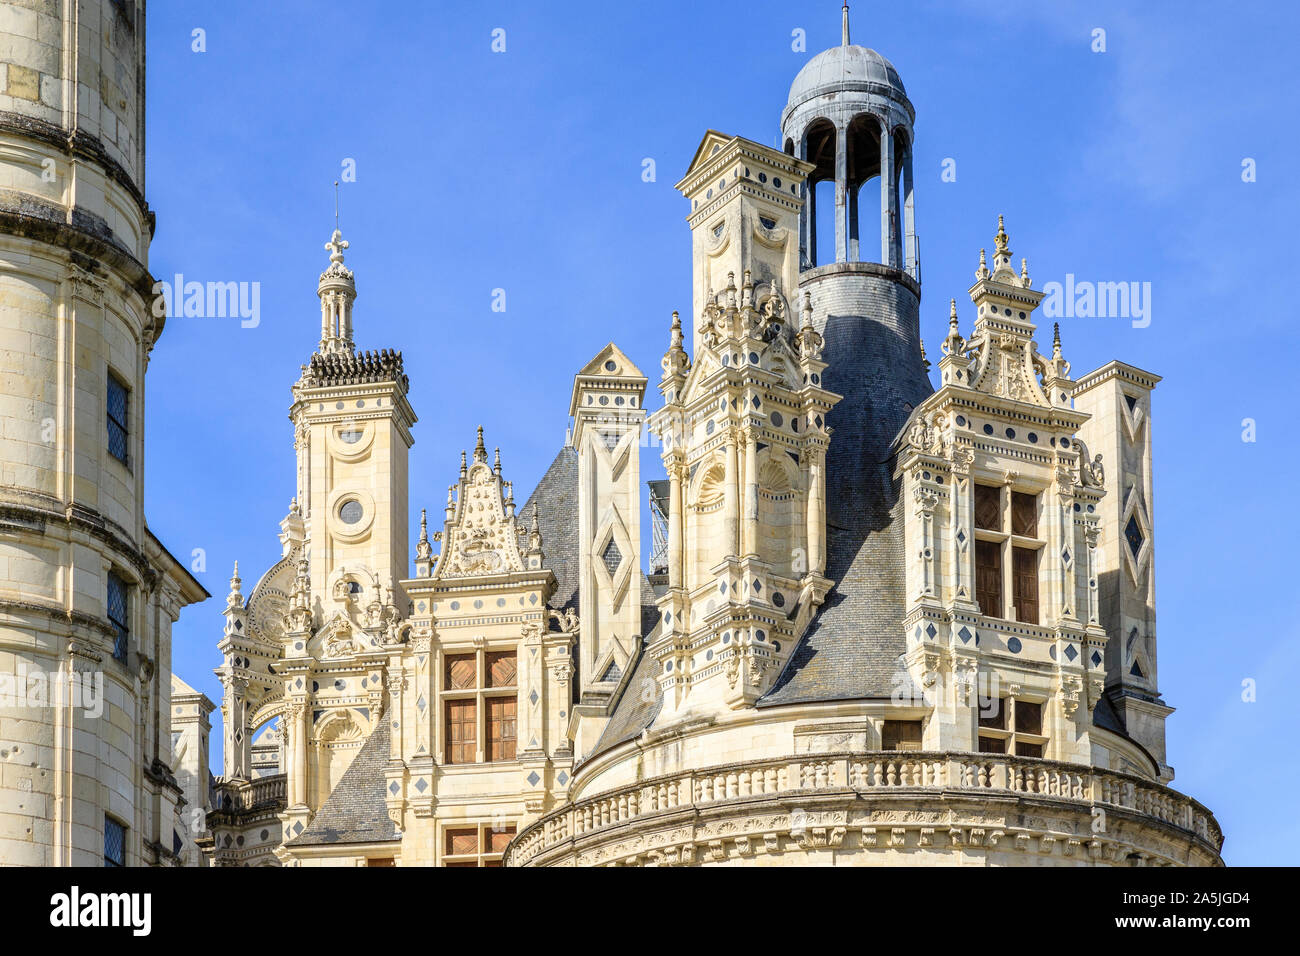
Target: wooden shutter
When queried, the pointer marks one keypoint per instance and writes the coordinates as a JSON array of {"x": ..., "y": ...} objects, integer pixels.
[
  {"x": 901, "y": 735},
  {"x": 497, "y": 840},
  {"x": 501, "y": 728},
  {"x": 500, "y": 668},
  {"x": 461, "y": 672},
  {"x": 988, "y": 577},
  {"x": 1024, "y": 514},
  {"x": 1024, "y": 583},
  {"x": 988, "y": 508},
  {"x": 461, "y": 737},
  {"x": 462, "y": 842}
]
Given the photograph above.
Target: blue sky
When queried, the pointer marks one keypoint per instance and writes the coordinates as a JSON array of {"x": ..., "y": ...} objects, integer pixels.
[{"x": 522, "y": 171}]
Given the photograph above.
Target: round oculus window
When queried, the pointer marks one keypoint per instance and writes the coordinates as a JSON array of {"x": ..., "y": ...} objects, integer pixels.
[{"x": 350, "y": 511}]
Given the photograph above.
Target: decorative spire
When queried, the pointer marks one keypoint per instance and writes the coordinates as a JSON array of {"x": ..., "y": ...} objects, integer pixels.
[
  {"x": 463, "y": 468},
  {"x": 534, "y": 531},
  {"x": 954, "y": 343},
  {"x": 496, "y": 464},
  {"x": 235, "y": 599},
  {"x": 924, "y": 361},
  {"x": 1002, "y": 269},
  {"x": 423, "y": 551},
  {"x": 983, "y": 271},
  {"x": 675, "y": 362},
  {"x": 1060, "y": 367},
  {"x": 337, "y": 291},
  {"x": 1024, "y": 274},
  {"x": 480, "y": 451},
  {"x": 808, "y": 341},
  {"x": 845, "y": 25}
]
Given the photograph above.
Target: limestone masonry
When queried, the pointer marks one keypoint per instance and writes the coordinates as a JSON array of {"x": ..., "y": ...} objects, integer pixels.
[{"x": 882, "y": 624}]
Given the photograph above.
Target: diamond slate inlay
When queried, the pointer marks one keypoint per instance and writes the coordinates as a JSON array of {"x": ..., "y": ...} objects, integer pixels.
[
  {"x": 1096, "y": 658},
  {"x": 421, "y": 785},
  {"x": 1070, "y": 652},
  {"x": 964, "y": 634},
  {"x": 562, "y": 777},
  {"x": 394, "y": 787},
  {"x": 533, "y": 779},
  {"x": 532, "y": 697}
]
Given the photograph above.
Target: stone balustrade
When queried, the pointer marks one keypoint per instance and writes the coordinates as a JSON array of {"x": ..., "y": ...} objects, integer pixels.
[
  {"x": 924, "y": 775},
  {"x": 245, "y": 796}
]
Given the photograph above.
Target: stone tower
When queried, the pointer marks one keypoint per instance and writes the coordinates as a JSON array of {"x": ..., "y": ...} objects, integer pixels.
[
  {"x": 849, "y": 118},
  {"x": 87, "y": 594},
  {"x": 894, "y": 618}
]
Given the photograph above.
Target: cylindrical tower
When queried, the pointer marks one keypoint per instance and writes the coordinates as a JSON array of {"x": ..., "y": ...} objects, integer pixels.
[
  {"x": 87, "y": 596},
  {"x": 849, "y": 115}
]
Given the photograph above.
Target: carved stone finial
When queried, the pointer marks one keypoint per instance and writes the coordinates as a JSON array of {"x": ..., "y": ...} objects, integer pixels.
[
  {"x": 496, "y": 464},
  {"x": 1056, "y": 340},
  {"x": 463, "y": 466},
  {"x": 336, "y": 245},
  {"x": 480, "y": 450},
  {"x": 423, "y": 551},
  {"x": 954, "y": 343},
  {"x": 983, "y": 271},
  {"x": 1024, "y": 273},
  {"x": 235, "y": 599},
  {"x": 1001, "y": 239}
]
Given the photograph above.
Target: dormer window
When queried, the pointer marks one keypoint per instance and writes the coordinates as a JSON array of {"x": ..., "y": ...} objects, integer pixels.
[{"x": 1006, "y": 538}]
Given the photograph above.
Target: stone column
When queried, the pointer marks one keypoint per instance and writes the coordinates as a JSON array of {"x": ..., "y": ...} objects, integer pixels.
[
  {"x": 911, "y": 253},
  {"x": 676, "y": 518},
  {"x": 816, "y": 512},
  {"x": 888, "y": 228},
  {"x": 750, "y": 543},
  {"x": 731, "y": 496},
  {"x": 841, "y": 195},
  {"x": 299, "y": 770}
]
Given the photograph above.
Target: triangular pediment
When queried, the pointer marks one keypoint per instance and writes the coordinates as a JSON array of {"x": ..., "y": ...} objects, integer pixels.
[
  {"x": 713, "y": 142},
  {"x": 623, "y": 367}
]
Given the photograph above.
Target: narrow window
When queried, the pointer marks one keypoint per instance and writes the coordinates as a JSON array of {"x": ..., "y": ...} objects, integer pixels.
[
  {"x": 901, "y": 735},
  {"x": 988, "y": 508},
  {"x": 988, "y": 577},
  {"x": 1024, "y": 584},
  {"x": 119, "y": 615},
  {"x": 462, "y": 742},
  {"x": 117, "y": 406},
  {"x": 1024, "y": 514},
  {"x": 114, "y": 843},
  {"x": 501, "y": 728},
  {"x": 1029, "y": 721}
]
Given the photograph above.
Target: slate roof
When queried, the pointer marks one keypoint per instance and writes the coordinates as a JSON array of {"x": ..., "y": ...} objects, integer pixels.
[
  {"x": 556, "y": 498},
  {"x": 852, "y": 646},
  {"x": 355, "y": 811}
]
